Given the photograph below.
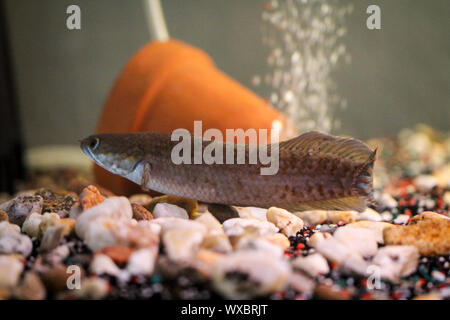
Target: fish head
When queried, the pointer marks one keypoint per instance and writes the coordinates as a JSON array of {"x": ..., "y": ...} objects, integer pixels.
[{"x": 117, "y": 153}]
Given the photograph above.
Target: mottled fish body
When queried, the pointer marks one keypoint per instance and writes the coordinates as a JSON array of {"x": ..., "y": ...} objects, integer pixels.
[{"x": 316, "y": 171}]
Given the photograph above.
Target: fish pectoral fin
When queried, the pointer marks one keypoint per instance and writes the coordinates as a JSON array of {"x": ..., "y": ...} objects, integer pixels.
[
  {"x": 348, "y": 203},
  {"x": 146, "y": 176}
]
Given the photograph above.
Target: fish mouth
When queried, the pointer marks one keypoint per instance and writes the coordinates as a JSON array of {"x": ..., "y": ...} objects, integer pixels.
[{"x": 85, "y": 146}]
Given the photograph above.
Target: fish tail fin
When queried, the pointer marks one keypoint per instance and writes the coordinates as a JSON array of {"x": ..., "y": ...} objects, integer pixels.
[{"x": 362, "y": 185}]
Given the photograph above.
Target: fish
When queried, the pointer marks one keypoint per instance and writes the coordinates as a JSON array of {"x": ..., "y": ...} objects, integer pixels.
[{"x": 316, "y": 171}]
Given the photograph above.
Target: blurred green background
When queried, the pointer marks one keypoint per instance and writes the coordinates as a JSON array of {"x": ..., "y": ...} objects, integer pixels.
[{"x": 399, "y": 75}]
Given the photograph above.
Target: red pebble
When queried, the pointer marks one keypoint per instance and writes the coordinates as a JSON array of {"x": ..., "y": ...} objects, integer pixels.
[
  {"x": 396, "y": 295},
  {"x": 364, "y": 283},
  {"x": 402, "y": 202},
  {"x": 440, "y": 203},
  {"x": 366, "y": 296},
  {"x": 300, "y": 246},
  {"x": 420, "y": 282}
]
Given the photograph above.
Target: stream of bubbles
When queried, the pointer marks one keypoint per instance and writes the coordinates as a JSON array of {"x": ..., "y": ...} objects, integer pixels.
[{"x": 304, "y": 38}]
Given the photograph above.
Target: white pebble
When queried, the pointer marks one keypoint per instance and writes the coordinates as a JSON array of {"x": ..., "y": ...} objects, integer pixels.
[
  {"x": 169, "y": 210},
  {"x": 115, "y": 208},
  {"x": 402, "y": 219},
  {"x": 288, "y": 223},
  {"x": 396, "y": 261},
  {"x": 369, "y": 214},
  {"x": 252, "y": 213},
  {"x": 361, "y": 240},
  {"x": 264, "y": 275},
  {"x": 314, "y": 264},
  {"x": 142, "y": 261},
  {"x": 10, "y": 270},
  {"x": 182, "y": 244},
  {"x": 102, "y": 264},
  {"x": 239, "y": 226}
]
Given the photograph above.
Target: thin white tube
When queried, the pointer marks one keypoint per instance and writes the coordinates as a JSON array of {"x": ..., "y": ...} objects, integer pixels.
[{"x": 155, "y": 20}]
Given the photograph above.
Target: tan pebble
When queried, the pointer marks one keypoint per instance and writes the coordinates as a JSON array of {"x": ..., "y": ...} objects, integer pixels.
[
  {"x": 5, "y": 293},
  {"x": 288, "y": 223},
  {"x": 252, "y": 213},
  {"x": 119, "y": 254},
  {"x": 205, "y": 260},
  {"x": 141, "y": 199},
  {"x": 17, "y": 256},
  {"x": 8, "y": 228},
  {"x": 327, "y": 292},
  {"x": 55, "y": 278},
  {"x": 278, "y": 239},
  {"x": 69, "y": 225},
  {"x": 181, "y": 245},
  {"x": 90, "y": 197},
  {"x": 92, "y": 289},
  {"x": 311, "y": 218},
  {"x": 429, "y": 236},
  {"x": 10, "y": 270},
  {"x": 52, "y": 237},
  {"x": 31, "y": 288},
  {"x": 140, "y": 213},
  {"x": 215, "y": 239},
  {"x": 341, "y": 216},
  {"x": 48, "y": 220},
  {"x": 428, "y": 296},
  {"x": 428, "y": 215},
  {"x": 210, "y": 222},
  {"x": 208, "y": 256},
  {"x": 187, "y": 204},
  {"x": 318, "y": 237},
  {"x": 3, "y": 216},
  {"x": 446, "y": 198},
  {"x": 31, "y": 224}
]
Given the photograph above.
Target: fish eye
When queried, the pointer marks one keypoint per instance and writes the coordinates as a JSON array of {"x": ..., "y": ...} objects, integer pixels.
[{"x": 94, "y": 143}]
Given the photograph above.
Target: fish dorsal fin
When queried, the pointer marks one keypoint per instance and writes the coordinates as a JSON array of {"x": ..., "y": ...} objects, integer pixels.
[{"x": 315, "y": 143}]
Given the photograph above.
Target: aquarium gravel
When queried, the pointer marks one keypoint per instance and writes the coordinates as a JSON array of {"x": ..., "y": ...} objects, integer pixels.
[{"x": 63, "y": 237}]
